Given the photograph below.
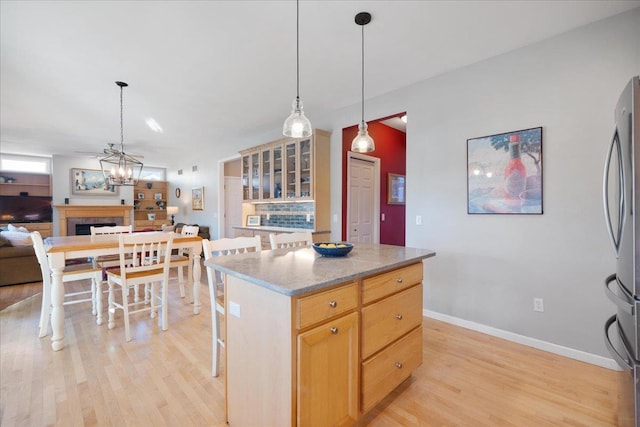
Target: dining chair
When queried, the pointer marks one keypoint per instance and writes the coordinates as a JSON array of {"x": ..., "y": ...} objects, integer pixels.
[
  {"x": 222, "y": 247},
  {"x": 183, "y": 257},
  {"x": 291, "y": 240},
  {"x": 151, "y": 255},
  {"x": 70, "y": 273},
  {"x": 109, "y": 260}
]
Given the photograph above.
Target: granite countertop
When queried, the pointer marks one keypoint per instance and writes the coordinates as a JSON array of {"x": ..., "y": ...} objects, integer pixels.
[
  {"x": 279, "y": 229},
  {"x": 297, "y": 271}
]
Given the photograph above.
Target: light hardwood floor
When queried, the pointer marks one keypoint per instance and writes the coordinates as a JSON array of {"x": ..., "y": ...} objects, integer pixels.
[{"x": 164, "y": 378}]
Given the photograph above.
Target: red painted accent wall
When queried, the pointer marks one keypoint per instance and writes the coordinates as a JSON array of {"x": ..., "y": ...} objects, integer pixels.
[{"x": 391, "y": 149}]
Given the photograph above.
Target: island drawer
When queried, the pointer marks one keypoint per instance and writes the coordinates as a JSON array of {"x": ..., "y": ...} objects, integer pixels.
[
  {"x": 389, "y": 319},
  {"x": 386, "y": 370},
  {"x": 376, "y": 287},
  {"x": 325, "y": 305}
]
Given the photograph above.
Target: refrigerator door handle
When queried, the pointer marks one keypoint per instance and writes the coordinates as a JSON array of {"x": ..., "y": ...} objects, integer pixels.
[
  {"x": 614, "y": 238},
  {"x": 625, "y": 304},
  {"x": 623, "y": 360}
]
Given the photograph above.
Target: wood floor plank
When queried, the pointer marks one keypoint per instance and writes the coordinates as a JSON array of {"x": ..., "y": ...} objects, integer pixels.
[{"x": 164, "y": 378}]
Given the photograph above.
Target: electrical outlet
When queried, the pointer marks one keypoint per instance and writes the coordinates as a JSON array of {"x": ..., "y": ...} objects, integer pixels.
[
  {"x": 383, "y": 217},
  {"x": 308, "y": 217},
  {"x": 418, "y": 219},
  {"x": 538, "y": 304},
  {"x": 234, "y": 309}
]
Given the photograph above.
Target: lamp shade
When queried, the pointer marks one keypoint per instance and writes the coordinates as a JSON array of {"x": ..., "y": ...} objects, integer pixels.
[
  {"x": 362, "y": 143},
  {"x": 172, "y": 210}
]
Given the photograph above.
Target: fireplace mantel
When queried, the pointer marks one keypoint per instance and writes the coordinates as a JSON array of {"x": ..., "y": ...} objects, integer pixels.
[{"x": 91, "y": 211}]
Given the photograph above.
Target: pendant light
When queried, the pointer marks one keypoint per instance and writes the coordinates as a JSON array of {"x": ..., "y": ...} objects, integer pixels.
[
  {"x": 297, "y": 125},
  {"x": 362, "y": 143},
  {"x": 118, "y": 167}
]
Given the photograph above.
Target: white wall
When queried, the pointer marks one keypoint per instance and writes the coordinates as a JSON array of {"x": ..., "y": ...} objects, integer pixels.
[{"x": 488, "y": 268}]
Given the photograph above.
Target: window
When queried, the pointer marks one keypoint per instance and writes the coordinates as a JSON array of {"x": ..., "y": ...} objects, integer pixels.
[
  {"x": 31, "y": 164},
  {"x": 153, "y": 174}
]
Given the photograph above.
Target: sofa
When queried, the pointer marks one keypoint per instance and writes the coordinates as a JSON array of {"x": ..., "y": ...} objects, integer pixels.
[
  {"x": 202, "y": 232},
  {"x": 18, "y": 263}
]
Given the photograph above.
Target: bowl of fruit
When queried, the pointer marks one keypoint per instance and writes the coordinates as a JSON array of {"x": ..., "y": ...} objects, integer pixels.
[{"x": 333, "y": 249}]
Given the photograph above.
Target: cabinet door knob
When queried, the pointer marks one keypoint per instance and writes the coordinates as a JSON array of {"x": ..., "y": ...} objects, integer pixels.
[
  {"x": 399, "y": 316},
  {"x": 334, "y": 330},
  {"x": 333, "y": 304},
  {"x": 399, "y": 280},
  {"x": 398, "y": 365}
]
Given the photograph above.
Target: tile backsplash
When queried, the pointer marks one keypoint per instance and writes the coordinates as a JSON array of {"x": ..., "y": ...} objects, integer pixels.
[{"x": 291, "y": 215}]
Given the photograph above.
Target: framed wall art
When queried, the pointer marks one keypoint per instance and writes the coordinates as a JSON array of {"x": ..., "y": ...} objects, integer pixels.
[
  {"x": 395, "y": 189},
  {"x": 197, "y": 198},
  {"x": 90, "y": 182},
  {"x": 504, "y": 173},
  {"x": 253, "y": 220}
]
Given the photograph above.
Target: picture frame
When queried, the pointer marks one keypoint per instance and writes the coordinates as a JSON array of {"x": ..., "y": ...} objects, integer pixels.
[
  {"x": 197, "y": 198},
  {"x": 253, "y": 220},
  {"x": 157, "y": 196},
  {"x": 396, "y": 189},
  {"x": 90, "y": 182},
  {"x": 504, "y": 173}
]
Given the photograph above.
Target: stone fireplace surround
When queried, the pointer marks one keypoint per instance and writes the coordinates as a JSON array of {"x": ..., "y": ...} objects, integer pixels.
[{"x": 70, "y": 215}]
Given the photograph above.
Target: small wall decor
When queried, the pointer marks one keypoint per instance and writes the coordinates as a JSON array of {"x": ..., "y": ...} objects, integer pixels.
[
  {"x": 504, "y": 173},
  {"x": 197, "y": 198},
  {"x": 395, "y": 189},
  {"x": 253, "y": 220},
  {"x": 140, "y": 195},
  {"x": 178, "y": 192},
  {"x": 90, "y": 182},
  {"x": 157, "y": 196}
]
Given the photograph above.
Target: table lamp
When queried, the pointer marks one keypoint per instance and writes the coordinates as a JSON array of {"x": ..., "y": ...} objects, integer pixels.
[{"x": 172, "y": 210}]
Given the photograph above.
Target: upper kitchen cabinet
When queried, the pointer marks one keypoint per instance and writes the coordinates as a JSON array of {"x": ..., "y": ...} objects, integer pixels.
[{"x": 287, "y": 169}]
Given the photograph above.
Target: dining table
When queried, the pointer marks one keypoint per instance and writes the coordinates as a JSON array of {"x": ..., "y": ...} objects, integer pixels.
[{"x": 62, "y": 248}]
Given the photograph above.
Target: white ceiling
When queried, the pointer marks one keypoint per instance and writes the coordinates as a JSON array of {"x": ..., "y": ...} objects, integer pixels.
[{"x": 210, "y": 72}]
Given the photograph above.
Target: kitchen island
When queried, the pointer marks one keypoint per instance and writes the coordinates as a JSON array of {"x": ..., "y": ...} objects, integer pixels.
[{"x": 312, "y": 340}]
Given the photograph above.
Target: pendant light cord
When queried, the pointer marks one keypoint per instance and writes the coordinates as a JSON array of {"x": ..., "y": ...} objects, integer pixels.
[
  {"x": 121, "y": 125},
  {"x": 362, "y": 73},
  {"x": 298, "y": 50}
]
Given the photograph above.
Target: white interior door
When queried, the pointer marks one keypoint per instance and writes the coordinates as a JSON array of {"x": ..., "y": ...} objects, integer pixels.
[
  {"x": 361, "y": 210},
  {"x": 232, "y": 204}
]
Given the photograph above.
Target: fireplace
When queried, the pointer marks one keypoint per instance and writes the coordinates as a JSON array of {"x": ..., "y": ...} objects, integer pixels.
[
  {"x": 85, "y": 229},
  {"x": 69, "y": 216}
]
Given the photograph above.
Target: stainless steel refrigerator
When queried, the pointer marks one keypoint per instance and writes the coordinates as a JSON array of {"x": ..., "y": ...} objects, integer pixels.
[{"x": 621, "y": 185}]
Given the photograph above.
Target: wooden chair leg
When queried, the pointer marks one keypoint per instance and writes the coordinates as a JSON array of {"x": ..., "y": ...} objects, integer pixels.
[
  {"x": 112, "y": 307},
  {"x": 45, "y": 312},
  {"x": 215, "y": 351},
  {"x": 125, "y": 309},
  {"x": 98, "y": 297},
  {"x": 164, "y": 306},
  {"x": 181, "y": 281}
]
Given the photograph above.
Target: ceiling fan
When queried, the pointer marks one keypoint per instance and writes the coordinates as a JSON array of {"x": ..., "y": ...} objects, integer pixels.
[{"x": 111, "y": 149}]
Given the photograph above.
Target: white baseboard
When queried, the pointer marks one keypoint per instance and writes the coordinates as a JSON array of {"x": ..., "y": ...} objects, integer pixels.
[{"x": 582, "y": 356}]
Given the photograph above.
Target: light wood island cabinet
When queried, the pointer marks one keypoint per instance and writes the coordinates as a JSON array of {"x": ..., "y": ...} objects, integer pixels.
[{"x": 314, "y": 341}]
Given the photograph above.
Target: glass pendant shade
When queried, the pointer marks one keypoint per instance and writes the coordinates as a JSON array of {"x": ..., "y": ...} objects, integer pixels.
[
  {"x": 297, "y": 125},
  {"x": 362, "y": 143}
]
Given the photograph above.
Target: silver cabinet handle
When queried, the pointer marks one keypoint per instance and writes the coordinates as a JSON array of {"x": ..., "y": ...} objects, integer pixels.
[
  {"x": 624, "y": 360},
  {"x": 334, "y": 330},
  {"x": 399, "y": 316},
  {"x": 399, "y": 280},
  {"x": 333, "y": 304},
  {"x": 623, "y": 299},
  {"x": 398, "y": 365},
  {"x": 616, "y": 236}
]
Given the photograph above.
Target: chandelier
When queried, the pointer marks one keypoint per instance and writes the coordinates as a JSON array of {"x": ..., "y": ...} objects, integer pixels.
[{"x": 118, "y": 167}]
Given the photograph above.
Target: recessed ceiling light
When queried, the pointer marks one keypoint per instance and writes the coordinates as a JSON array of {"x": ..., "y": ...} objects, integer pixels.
[{"x": 154, "y": 125}]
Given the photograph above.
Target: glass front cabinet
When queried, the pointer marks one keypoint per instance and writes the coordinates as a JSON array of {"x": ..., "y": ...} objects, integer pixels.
[{"x": 279, "y": 171}]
